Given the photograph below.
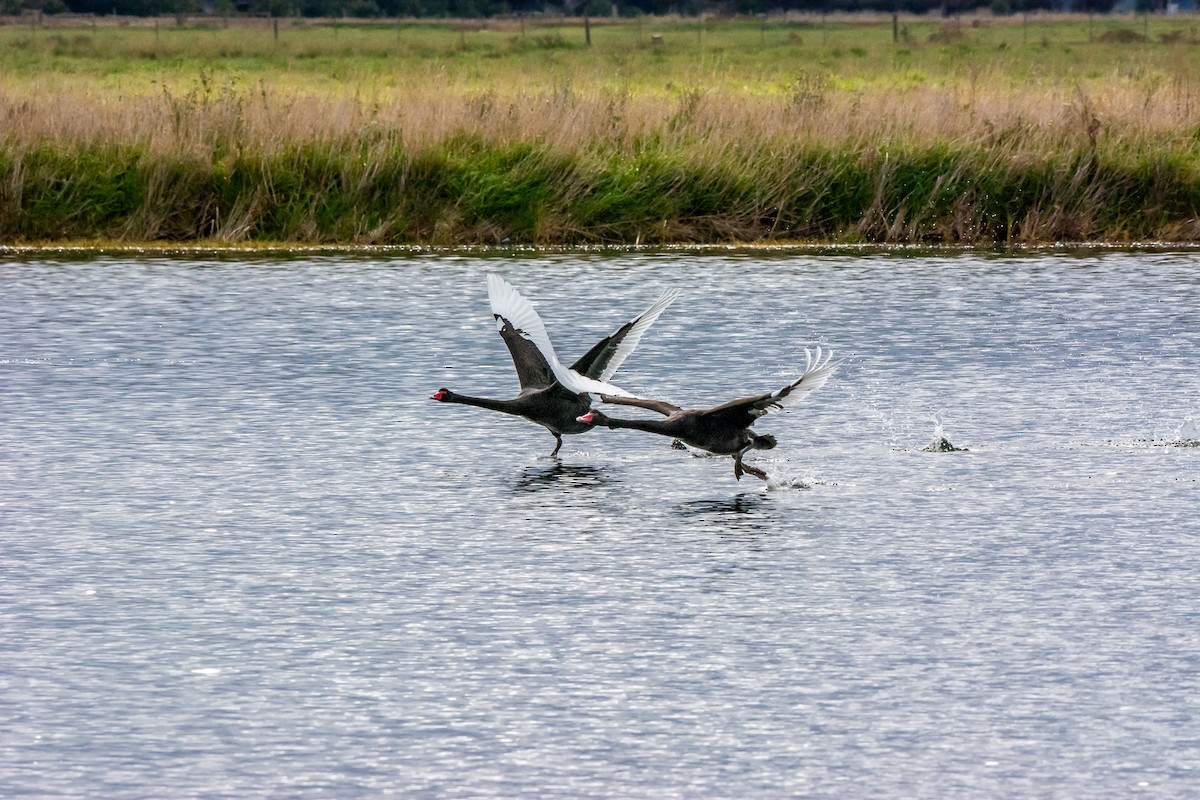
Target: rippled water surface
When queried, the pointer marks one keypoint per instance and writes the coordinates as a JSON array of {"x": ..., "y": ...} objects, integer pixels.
[{"x": 244, "y": 554}]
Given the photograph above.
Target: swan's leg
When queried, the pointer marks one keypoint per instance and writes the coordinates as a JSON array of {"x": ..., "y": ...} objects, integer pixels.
[
  {"x": 739, "y": 468},
  {"x": 557, "y": 438}
]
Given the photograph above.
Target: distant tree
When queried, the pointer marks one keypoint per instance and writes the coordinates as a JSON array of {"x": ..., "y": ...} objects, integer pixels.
[{"x": 400, "y": 8}]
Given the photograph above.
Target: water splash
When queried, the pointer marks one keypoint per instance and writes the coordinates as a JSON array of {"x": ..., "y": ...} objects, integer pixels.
[
  {"x": 783, "y": 482},
  {"x": 939, "y": 443},
  {"x": 1187, "y": 434}
]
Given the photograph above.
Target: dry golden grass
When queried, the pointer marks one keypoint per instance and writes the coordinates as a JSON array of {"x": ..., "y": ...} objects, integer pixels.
[
  {"x": 697, "y": 121},
  {"x": 730, "y": 83}
]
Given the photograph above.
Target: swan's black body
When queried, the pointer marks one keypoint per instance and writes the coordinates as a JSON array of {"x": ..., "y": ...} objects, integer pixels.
[{"x": 725, "y": 429}]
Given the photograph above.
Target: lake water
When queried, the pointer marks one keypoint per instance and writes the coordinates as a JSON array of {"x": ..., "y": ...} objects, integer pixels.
[{"x": 244, "y": 555}]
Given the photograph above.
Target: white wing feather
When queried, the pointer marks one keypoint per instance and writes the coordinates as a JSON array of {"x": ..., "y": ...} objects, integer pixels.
[
  {"x": 816, "y": 372},
  {"x": 508, "y": 303},
  {"x": 631, "y": 340}
]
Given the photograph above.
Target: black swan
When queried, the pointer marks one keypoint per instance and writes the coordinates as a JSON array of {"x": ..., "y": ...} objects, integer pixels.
[
  {"x": 552, "y": 395},
  {"x": 725, "y": 429}
]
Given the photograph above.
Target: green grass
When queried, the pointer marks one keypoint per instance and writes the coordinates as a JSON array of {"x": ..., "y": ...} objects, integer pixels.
[{"x": 476, "y": 192}]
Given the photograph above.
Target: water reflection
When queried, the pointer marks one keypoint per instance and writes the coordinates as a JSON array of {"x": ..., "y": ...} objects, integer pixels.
[
  {"x": 561, "y": 477},
  {"x": 745, "y": 511}
]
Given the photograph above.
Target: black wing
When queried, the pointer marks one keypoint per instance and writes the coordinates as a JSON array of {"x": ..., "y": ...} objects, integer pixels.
[
  {"x": 602, "y": 361},
  {"x": 532, "y": 370},
  {"x": 739, "y": 413},
  {"x": 743, "y": 412}
]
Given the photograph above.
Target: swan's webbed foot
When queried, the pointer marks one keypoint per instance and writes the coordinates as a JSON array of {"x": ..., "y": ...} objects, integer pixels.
[
  {"x": 755, "y": 471},
  {"x": 557, "y": 447},
  {"x": 739, "y": 469}
]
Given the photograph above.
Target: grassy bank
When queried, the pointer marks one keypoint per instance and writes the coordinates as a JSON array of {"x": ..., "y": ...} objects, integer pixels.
[{"x": 727, "y": 132}]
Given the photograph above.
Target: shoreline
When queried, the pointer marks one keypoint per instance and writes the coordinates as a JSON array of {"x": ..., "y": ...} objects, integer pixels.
[{"x": 294, "y": 249}]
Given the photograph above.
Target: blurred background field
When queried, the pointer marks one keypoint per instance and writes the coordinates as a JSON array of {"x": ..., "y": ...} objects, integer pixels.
[{"x": 764, "y": 55}]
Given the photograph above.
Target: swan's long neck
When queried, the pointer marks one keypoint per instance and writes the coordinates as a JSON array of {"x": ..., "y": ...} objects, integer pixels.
[
  {"x": 507, "y": 406},
  {"x": 658, "y": 426}
]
